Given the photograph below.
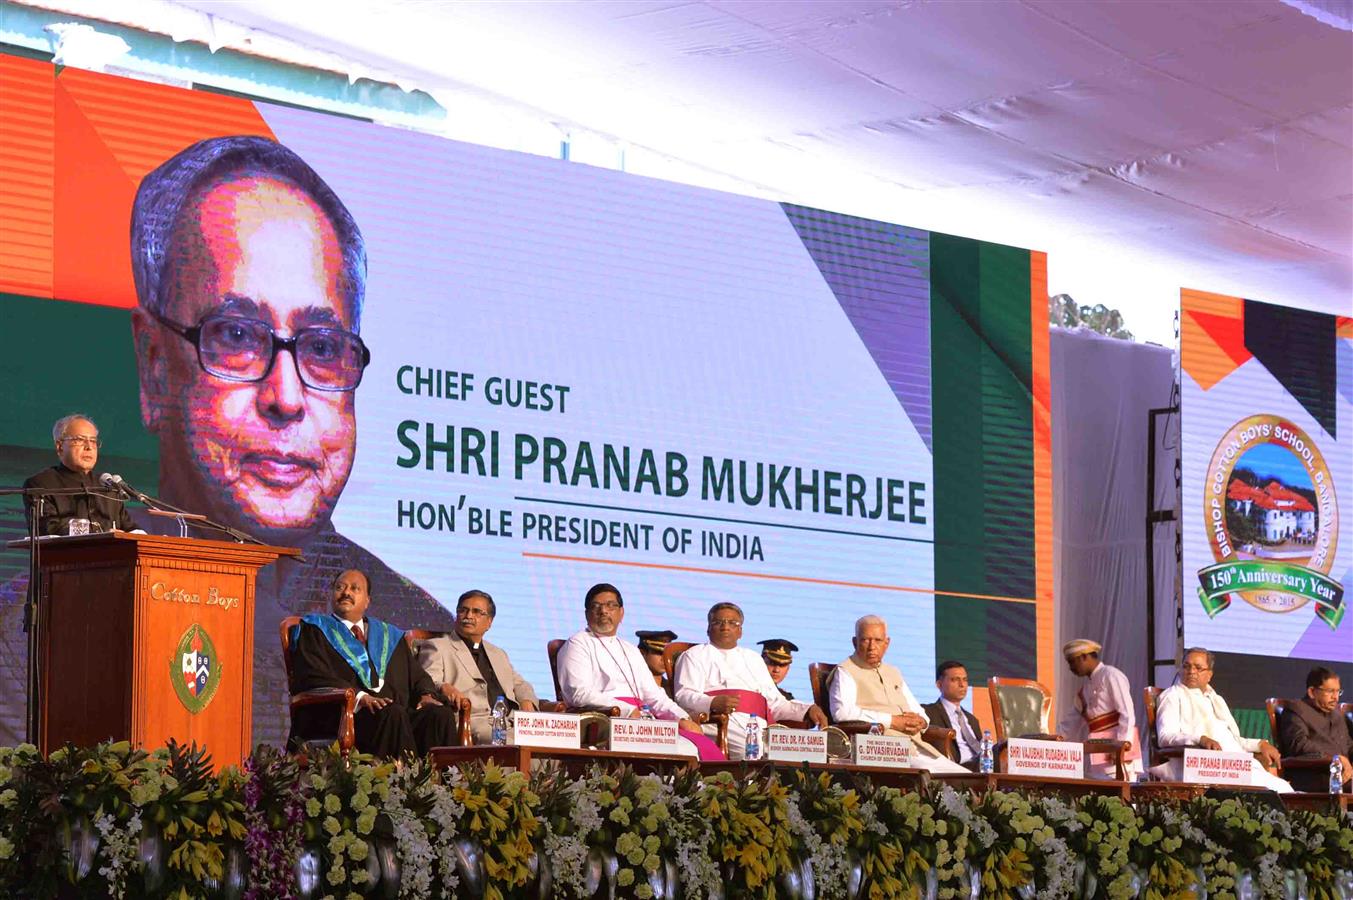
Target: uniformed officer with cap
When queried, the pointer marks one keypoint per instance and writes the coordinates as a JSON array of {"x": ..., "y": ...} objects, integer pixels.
[
  {"x": 777, "y": 653},
  {"x": 651, "y": 646}
]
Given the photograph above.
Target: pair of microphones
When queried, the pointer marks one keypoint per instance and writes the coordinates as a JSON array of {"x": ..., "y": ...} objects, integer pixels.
[{"x": 115, "y": 482}]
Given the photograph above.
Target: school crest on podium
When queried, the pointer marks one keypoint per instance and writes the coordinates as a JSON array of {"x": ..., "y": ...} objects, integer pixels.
[{"x": 195, "y": 669}]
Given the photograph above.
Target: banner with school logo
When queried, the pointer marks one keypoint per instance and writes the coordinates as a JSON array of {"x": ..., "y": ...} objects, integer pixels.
[{"x": 1267, "y": 455}]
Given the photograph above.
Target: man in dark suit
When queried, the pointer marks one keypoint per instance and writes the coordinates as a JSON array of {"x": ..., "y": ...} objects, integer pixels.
[
  {"x": 76, "y": 493},
  {"x": 1314, "y": 726},
  {"x": 946, "y": 712},
  {"x": 397, "y": 707}
]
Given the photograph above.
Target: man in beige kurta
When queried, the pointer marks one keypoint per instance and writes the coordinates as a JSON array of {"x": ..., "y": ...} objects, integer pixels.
[{"x": 865, "y": 688}]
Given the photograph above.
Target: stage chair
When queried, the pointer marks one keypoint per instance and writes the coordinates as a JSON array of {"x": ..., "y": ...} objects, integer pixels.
[
  {"x": 344, "y": 700},
  {"x": 593, "y": 731},
  {"x": 820, "y": 675},
  {"x": 1305, "y": 773},
  {"x": 413, "y": 637},
  {"x": 670, "y": 654},
  {"x": 1022, "y": 709},
  {"x": 1157, "y": 753}
]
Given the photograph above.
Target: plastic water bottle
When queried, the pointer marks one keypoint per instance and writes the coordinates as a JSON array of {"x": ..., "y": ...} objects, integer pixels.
[
  {"x": 646, "y": 712},
  {"x": 1336, "y": 776},
  {"x": 498, "y": 721},
  {"x": 753, "y": 745},
  {"x": 988, "y": 761}
]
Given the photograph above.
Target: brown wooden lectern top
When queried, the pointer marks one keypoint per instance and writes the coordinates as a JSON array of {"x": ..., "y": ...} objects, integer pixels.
[{"x": 147, "y": 637}]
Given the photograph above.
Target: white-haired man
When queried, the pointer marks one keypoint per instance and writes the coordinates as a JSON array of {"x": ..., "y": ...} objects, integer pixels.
[{"x": 865, "y": 688}]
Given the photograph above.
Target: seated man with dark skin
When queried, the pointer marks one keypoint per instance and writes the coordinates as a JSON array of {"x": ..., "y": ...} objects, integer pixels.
[
  {"x": 397, "y": 711},
  {"x": 1315, "y": 726}
]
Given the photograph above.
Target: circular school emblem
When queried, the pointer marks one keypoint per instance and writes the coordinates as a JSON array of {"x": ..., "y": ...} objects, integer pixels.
[
  {"x": 1272, "y": 522},
  {"x": 194, "y": 669}
]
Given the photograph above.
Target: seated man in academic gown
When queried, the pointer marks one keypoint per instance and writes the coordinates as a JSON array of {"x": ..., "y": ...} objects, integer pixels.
[{"x": 397, "y": 707}]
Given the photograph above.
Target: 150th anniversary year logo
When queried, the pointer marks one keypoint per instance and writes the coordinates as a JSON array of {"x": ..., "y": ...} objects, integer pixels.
[{"x": 1272, "y": 520}]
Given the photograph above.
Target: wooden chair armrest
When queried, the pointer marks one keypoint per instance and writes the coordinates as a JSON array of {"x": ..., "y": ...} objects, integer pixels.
[
  {"x": 720, "y": 723},
  {"x": 1304, "y": 762},
  {"x": 553, "y": 706},
  {"x": 698, "y": 718},
  {"x": 612, "y": 711},
  {"x": 1041, "y": 737},
  {"x": 1166, "y": 753},
  {"x": 795, "y": 723},
  {"x": 854, "y": 726},
  {"x": 345, "y": 698},
  {"x": 463, "y": 722},
  {"x": 942, "y": 739}
]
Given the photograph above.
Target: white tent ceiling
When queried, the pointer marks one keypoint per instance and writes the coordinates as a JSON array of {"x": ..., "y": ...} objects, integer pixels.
[{"x": 1145, "y": 145}]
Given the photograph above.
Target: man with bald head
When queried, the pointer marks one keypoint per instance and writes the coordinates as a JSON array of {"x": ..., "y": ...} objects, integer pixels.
[
  {"x": 398, "y": 711},
  {"x": 721, "y": 677},
  {"x": 865, "y": 688}
]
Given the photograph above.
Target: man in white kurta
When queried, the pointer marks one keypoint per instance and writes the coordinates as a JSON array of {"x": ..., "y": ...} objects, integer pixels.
[
  {"x": 1192, "y": 713},
  {"x": 1102, "y": 710},
  {"x": 597, "y": 669},
  {"x": 865, "y": 688},
  {"x": 721, "y": 665}
]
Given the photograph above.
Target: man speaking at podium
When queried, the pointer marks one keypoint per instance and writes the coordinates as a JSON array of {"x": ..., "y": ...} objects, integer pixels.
[
  {"x": 77, "y": 446},
  {"x": 250, "y": 280}
]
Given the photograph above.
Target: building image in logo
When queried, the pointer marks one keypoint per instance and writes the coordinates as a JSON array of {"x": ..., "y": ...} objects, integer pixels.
[{"x": 1272, "y": 517}]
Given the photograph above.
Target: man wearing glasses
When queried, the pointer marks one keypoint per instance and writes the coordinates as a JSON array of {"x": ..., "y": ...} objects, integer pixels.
[
  {"x": 1191, "y": 713},
  {"x": 721, "y": 677},
  {"x": 1316, "y": 726},
  {"x": 65, "y": 511},
  {"x": 250, "y": 278},
  {"x": 463, "y": 664}
]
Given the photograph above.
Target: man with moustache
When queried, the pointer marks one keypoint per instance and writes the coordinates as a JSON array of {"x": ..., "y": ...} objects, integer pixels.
[
  {"x": 397, "y": 711},
  {"x": 599, "y": 670},
  {"x": 721, "y": 677},
  {"x": 467, "y": 666},
  {"x": 250, "y": 278},
  {"x": 1191, "y": 712},
  {"x": 951, "y": 677},
  {"x": 1316, "y": 726},
  {"x": 77, "y": 447}
]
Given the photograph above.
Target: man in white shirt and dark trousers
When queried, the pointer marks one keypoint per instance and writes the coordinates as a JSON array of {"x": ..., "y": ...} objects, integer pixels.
[{"x": 951, "y": 677}]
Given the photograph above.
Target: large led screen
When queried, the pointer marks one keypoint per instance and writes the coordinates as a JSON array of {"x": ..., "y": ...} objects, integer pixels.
[{"x": 574, "y": 376}]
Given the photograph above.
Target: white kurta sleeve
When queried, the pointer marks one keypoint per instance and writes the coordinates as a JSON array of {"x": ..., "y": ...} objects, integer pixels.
[
  {"x": 1119, "y": 695},
  {"x": 580, "y": 676},
  {"x": 843, "y": 697},
  {"x": 1171, "y": 722},
  {"x": 690, "y": 680},
  {"x": 914, "y": 705}
]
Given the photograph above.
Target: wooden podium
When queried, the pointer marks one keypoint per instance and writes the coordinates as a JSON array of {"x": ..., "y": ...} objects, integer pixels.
[{"x": 145, "y": 637}]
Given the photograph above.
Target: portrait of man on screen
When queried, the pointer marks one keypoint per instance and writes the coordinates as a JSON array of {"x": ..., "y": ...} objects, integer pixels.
[{"x": 250, "y": 278}]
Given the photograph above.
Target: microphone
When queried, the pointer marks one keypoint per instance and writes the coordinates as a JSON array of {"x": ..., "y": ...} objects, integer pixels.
[{"x": 115, "y": 482}]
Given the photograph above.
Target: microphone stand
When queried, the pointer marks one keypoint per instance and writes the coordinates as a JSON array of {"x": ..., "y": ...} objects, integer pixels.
[{"x": 242, "y": 537}]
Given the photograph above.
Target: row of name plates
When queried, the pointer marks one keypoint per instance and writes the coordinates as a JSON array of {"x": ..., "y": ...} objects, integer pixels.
[{"x": 1042, "y": 759}]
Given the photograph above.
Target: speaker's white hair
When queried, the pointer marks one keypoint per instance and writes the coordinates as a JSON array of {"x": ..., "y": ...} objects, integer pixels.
[{"x": 864, "y": 621}]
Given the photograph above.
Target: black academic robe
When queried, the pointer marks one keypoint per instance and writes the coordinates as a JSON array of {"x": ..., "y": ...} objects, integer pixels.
[
  {"x": 100, "y": 505},
  {"x": 392, "y": 731}
]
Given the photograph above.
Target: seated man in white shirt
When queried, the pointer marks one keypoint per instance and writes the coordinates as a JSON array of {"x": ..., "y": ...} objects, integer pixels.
[
  {"x": 864, "y": 687},
  {"x": 951, "y": 677},
  {"x": 1192, "y": 713},
  {"x": 721, "y": 677},
  {"x": 599, "y": 670}
]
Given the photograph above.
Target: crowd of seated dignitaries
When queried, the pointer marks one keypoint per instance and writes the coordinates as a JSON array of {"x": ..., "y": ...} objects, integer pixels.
[{"x": 407, "y": 703}]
